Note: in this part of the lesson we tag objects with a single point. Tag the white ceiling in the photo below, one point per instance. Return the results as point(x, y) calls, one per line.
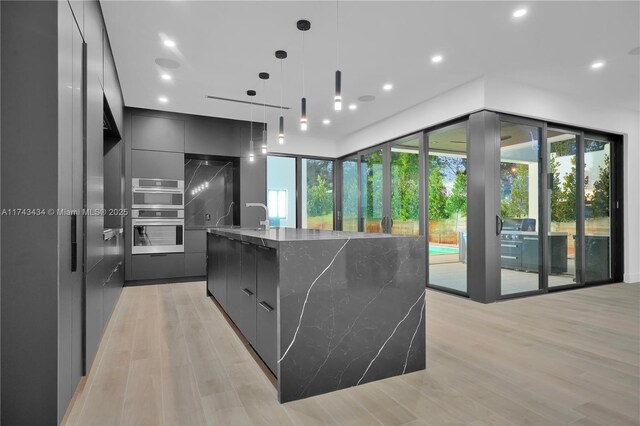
point(222, 46)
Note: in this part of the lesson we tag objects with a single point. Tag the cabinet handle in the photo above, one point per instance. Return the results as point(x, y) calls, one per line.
point(263, 247)
point(158, 254)
point(265, 306)
point(247, 292)
point(530, 239)
point(508, 245)
point(509, 257)
point(74, 243)
point(245, 243)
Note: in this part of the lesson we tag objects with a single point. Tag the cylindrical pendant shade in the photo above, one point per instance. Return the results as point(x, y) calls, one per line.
point(303, 118)
point(281, 131)
point(338, 96)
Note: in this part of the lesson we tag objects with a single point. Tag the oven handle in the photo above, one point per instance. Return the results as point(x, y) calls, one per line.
point(159, 190)
point(152, 222)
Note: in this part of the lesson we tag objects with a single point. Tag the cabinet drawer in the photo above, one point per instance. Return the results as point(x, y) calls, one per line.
point(195, 264)
point(157, 266)
point(195, 241)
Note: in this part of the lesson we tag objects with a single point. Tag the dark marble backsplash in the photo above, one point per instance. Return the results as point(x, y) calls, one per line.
point(209, 193)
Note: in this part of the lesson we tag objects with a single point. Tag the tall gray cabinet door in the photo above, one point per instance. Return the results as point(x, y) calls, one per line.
point(267, 297)
point(70, 184)
point(157, 134)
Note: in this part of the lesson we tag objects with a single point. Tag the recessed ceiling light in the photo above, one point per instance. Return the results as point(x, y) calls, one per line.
point(169, 43)
point(519, 13)
point(166, 77)
point(387, 87)
point(167, 63)
point(326, 121)
point(163, 99)
point(436, 59)
point(596, 65)
point(353, 106)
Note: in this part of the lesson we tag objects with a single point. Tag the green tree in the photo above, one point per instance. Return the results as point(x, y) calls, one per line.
point(600, 201)
point(516, 203)
point(556, 192)
point(457, 201)
point(319, 198)
point(437, 192)
point(405, 189)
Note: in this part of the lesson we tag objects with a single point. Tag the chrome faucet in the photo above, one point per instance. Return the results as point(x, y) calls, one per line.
point(264, 222)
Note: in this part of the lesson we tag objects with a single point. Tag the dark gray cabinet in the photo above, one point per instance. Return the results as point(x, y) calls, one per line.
point(157, 266)
point(157, 164)
point(195, 241)
point(267, 298)
point(217, 269)
point(233, 265)
point(157, 134)
point(195, 252)
point(195, 264)
point(211, 136)
point(248, 292)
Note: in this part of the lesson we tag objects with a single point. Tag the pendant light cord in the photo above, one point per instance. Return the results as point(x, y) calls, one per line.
point(281, 85)
point(337, 36)
point(264, 109)
point(303, 93)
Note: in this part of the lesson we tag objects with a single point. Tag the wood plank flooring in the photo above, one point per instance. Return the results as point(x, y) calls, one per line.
point(169, 357)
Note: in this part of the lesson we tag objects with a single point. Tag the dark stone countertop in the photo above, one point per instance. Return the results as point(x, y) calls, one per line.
point(274, 236)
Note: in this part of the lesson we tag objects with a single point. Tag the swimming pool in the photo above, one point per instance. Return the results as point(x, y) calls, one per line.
point(442, 249)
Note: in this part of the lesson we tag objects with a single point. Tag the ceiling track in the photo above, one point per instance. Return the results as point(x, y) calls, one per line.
point(240, 101)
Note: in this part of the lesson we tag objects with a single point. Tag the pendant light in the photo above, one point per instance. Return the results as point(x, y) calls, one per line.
point(304, 26)
point(337, 100)
point(251, 94)
point(281, 54)
point(264, 76)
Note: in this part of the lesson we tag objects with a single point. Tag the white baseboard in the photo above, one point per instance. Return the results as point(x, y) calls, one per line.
point(632, 277)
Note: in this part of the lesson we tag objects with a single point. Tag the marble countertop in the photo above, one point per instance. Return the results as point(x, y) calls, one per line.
point(273, 236)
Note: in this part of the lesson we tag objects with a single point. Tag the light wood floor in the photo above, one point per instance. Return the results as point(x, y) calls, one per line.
point(169, 357)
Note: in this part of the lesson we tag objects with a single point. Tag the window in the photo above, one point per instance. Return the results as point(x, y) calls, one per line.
point(281, 191)
point(317, 194)
point(277, 204)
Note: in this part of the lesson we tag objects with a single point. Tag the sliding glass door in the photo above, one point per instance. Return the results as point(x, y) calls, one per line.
point(317, 193)
point(372, 191)
point(405, 187)
point(518, 223)
point(447, 207)
point(563, 208)
point(348, 213)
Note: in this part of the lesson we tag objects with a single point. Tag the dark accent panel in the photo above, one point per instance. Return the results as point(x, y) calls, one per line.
point(214, 205)
point(112, 85)
point(195, 264)
point(211, 136)
point(156, 164)
point(195, 241)
point(157, 266)
point(159, 134)
point(253, 180)
point(113, 172)
point(266, 310)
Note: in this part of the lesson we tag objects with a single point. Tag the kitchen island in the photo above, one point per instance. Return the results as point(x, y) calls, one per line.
point(324, 310)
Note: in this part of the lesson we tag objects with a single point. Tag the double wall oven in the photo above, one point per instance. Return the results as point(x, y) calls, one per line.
point(157, 216)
